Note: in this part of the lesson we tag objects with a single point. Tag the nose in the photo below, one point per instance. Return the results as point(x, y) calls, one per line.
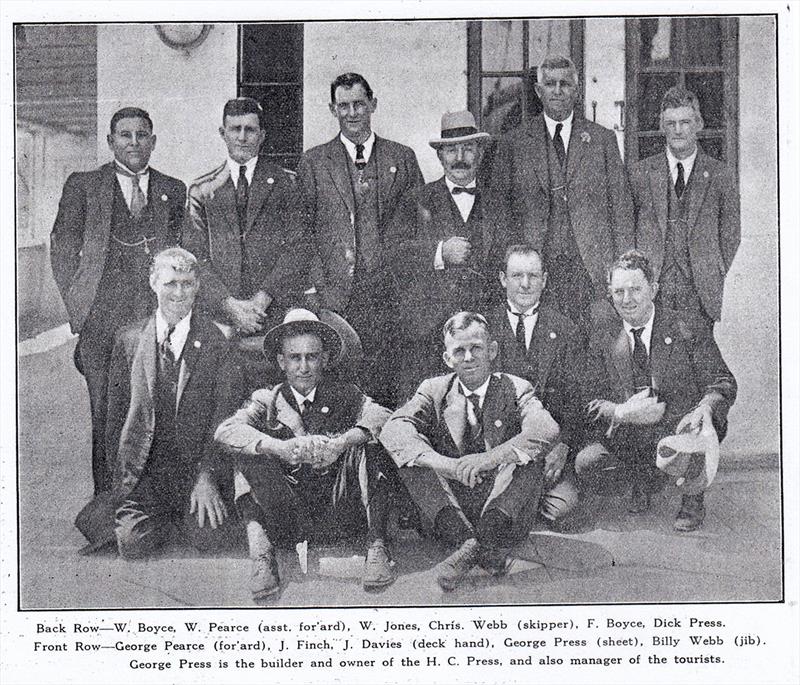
point(526, 281)
point(460, 153)
point(304, 365)
point(351, 109)
point(467, 356)
point(557, 88)
point(626, 296)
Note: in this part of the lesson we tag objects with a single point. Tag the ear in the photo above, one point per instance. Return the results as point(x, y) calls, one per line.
point(325, 359)
point(493, 349)
point(332, 108)
point(538, 88)
point(155, 140)
point(373, 104)
point(503, 281)
point(447, 361)
point(109, 140)
point(544, 280)
point(281, 361)
point(222, 132)
point(654, 287)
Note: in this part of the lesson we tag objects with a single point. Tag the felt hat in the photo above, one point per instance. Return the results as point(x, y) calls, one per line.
point(691, 458)
point(299, 321)
point(459, 127)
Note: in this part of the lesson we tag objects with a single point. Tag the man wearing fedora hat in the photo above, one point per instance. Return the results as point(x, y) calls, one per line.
point(308, 465)
point(447, 244)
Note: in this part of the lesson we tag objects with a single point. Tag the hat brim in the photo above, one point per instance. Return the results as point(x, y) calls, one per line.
point(331, 340)
point(480, 137)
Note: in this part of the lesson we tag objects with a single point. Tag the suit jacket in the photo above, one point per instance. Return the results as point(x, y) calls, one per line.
point(713, 218)
point(80, 235)
point(555, 364)
point(685, 365)
point(324, 179)
point(598, 195)
point(426, 296)
point(275, 236)
point(433, 421)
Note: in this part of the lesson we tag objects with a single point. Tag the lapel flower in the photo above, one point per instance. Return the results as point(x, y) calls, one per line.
point(197, 344)
point(324, 410)
point(498, 423)
point(393, 169)
point(668, 341)
point(552, 335)
point(705, 174)
point(270, 180)
point(164, 198)
point(585, 137)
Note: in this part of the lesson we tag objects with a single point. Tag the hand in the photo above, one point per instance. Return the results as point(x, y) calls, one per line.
point(554, 462)
point(695, 420)
point(206, 502)
point(640, 410)
point(244, 315)
point(292, 451)
point(455, 250)
point(326, 451)
point(601, 409)
point(262, 301)
point(468, 469)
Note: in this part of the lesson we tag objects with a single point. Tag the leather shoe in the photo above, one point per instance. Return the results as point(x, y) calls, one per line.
point(377, 567)
point(264, 579)
point(692, 513)
point(639, 501)
point(494, 561)
point(451, 571)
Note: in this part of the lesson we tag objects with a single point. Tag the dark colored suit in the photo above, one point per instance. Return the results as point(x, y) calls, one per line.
point(712, 219)
point(597, 210)
point(434, 421)
point(270, 254)
point(427, 297)
point(101, 265)
point(153, 478)
point(685, 365)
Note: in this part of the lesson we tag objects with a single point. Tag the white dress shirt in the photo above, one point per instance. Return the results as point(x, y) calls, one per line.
point(480, 391)
point(300, 398)
point(350, 146)
point(688, 165)
point(126, 182)
point(465, 202)
point(180, 333)
point(566, 128)
point(647, 333)
point(529, 321)
point(250, 167)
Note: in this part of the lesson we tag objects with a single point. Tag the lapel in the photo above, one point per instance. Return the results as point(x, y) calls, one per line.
point(699, 182)
point(619, 350)
point(455, 413)
point(159, 207)
point(338, 169)
point(383, 167)
point(661, 344)
point(225, 198)
point(538, 131)
point(660, 187)
point(544, 344)
point(260, 190)
point(576, 146)
point(105, 198)
point(496, 411)
point(286, 411)
point(146, 355)
point(192, 351)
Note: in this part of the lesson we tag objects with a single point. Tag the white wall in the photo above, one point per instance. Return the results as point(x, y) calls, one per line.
point(417, 71)
point(183, 94)
point(604, 64)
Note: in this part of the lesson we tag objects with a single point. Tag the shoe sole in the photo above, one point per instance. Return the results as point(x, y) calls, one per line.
point(377, 585)
point(265, 594)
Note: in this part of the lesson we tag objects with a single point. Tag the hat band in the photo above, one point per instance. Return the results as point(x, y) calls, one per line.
point(459, 132)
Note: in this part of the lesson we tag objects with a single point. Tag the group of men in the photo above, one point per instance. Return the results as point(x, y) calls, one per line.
point(571, 300)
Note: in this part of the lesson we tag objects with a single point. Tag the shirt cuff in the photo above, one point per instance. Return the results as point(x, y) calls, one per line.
point(438, 260)
point(522, 458)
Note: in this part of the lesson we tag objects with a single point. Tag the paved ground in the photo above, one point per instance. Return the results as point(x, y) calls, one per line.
point(608, 555)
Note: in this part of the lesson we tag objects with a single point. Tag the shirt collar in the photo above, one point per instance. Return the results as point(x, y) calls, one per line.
point(249, 165)
point(551, 123)
point(181, 329)
point(648, 325)
point(451, 185)
point(515, 310)
point(480, 391)
point(688, 163)
point(141, 174)
point(299, 398)
point(350, 146)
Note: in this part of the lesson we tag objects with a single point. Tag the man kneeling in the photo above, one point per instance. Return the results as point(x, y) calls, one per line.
point(471, 445)
point(308, 463)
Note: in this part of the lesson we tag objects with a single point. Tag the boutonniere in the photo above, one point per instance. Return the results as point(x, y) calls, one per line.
point(668, 341)
point(164, 198)
point(393, 169)
point(705, 174)
point(552, 335)
point(197, 344)
point(270, 180)
point(585, 137)
point(498, 423)
point(325, 410)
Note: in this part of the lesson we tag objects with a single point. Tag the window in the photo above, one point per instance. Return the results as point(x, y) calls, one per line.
point(699, 53)
point(503, 56)
point(271, 71)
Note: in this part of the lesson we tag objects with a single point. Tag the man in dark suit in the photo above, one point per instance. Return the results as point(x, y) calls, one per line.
point(446, 246)
point(471, 449)
point(308, 465)
point(246, 227)
point(109, 223)
point(351, 186)
point(541, 345)
point(664, 375)
point(172, 380)
point(563, 181)
point(687, 213)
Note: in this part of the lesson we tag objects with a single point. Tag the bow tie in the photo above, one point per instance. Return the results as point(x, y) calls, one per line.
point(461, 189)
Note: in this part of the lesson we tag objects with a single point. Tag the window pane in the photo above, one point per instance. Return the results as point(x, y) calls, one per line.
point(657, 42)
point(272, 52)
point(709, 91)
point(651, 89)
point(501, 45)
point(283, 113)
point(703, 42)
point(547, 37)
point(501, 108)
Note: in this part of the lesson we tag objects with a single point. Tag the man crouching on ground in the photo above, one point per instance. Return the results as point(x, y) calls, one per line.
point(308, 463)
point(471, 445)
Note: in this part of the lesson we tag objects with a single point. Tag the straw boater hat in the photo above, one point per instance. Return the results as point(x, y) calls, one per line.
point(297, 322)
point(459, 127)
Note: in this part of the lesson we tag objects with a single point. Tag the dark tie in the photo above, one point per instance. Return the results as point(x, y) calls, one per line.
point(138, 199)
point(461, 189)
point(242, 191)
point(360, 161)
point(680, 182)
point(640, 360)
point(558, 144)
point(476, 429)
point(305, 405)
point(166, 355)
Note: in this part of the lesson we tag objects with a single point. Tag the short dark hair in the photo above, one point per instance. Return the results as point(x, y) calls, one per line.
point(463, 320)
point(238, 107)
point(631, 261)
point(130, 113)
point(551, 62)
point(524, 249)
point(349, 80)
point(678, 96)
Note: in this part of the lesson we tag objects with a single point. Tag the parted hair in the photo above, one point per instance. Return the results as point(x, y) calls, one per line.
point(524, 249)
point(175, 257)
point(631, 261)
point(463, 320)
point(678, 96)
point(349, 80)
point(238, 107)
point(130, 113)
point(551, 62)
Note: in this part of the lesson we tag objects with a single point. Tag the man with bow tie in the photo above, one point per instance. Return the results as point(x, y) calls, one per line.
point(109, 224)
point(470, 446)
point(308, 464)
point(446, 246)
point(663, 374)
point(173, 378)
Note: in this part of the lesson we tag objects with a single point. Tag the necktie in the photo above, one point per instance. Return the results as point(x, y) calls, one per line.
point(461, 189)
point(305, 405)
point(680, 182)
point(558, 144)
point(166, 355)
point(477, 427)
point(242, 191)
point(519, 332)
point(138, 200)
point(640, 360)
point(360, 161)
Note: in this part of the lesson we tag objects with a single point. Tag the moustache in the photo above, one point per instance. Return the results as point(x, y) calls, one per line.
point(461, 165)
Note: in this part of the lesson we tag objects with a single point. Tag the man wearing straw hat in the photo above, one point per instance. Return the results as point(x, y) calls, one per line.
point(308, 463)
point(448, 244)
